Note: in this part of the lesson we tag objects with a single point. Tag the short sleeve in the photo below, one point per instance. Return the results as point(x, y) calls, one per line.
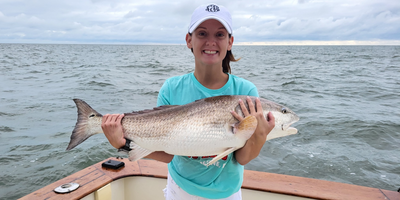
point(163, 95)
point(254, 92)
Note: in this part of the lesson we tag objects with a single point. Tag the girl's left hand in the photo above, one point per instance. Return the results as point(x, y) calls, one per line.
point(265, 124)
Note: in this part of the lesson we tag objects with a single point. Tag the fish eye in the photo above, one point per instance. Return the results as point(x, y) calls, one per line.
point(92, 115)
point(284, 110)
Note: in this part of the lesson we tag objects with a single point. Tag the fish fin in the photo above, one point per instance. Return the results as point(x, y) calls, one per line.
point(151, 110)
point(86, 124)
point(220, 156)
point(164, 107)
point(137, 152)
point(246, 127)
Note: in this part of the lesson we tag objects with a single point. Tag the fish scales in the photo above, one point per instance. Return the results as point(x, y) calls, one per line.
point(189, 126)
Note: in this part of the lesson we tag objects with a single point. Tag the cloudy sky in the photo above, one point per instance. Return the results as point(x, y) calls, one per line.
point(166, 21)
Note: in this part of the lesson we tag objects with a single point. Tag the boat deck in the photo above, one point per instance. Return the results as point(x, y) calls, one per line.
point(97, 182)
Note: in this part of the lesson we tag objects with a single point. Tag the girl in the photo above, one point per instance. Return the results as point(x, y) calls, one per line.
point(210, 39)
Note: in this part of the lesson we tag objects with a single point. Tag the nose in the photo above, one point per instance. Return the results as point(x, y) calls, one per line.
point(211, 41)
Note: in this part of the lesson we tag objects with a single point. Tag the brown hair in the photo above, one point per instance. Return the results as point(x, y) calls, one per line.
point(226, 67)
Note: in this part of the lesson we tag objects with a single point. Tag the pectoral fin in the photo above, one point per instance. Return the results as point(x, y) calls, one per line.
point(246, 127)
point(137, 152)
point(220, 156)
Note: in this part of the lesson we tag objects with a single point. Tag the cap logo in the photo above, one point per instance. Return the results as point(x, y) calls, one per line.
point(212, 8)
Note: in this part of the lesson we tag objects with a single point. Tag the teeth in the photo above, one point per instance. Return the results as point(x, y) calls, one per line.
point(210, 52)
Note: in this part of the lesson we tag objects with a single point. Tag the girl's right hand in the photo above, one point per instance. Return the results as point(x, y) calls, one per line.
point(112, 128)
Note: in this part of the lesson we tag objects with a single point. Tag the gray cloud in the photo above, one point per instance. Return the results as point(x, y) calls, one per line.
point(125, 21)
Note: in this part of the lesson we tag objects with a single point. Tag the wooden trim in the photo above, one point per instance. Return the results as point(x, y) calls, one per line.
point(94, 177)
point(90, 179)
point(312, 188)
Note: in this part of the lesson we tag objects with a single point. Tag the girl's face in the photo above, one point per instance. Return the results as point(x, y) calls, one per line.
point(210, 42)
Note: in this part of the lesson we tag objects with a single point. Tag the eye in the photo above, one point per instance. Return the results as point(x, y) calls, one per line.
point(92, 115)
point(220, 34)
point(201, 33)
point(284, 110)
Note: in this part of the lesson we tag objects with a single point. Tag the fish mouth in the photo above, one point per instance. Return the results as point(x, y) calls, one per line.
point(286, 127)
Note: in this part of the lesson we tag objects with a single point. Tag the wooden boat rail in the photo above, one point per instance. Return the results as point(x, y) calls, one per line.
point(95, 177)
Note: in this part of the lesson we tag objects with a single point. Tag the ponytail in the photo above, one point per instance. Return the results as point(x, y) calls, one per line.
point(226, 67)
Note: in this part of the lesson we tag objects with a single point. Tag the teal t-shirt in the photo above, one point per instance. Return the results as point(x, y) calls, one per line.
point(223, 178)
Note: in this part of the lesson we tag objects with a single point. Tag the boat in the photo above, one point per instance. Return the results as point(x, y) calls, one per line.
point(145, 179)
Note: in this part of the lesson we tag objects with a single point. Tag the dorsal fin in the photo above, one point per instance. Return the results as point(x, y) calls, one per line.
point(151, 110)
point(164, 107)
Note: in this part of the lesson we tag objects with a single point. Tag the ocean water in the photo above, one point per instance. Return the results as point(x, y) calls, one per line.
point(347, 97)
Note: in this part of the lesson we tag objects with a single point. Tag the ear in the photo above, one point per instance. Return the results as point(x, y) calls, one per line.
point(230, 43)
point(189, 41)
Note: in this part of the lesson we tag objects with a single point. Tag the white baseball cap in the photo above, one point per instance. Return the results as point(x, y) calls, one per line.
point(211, 11)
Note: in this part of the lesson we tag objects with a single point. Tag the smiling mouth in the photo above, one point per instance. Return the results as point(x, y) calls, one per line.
point(210, 52)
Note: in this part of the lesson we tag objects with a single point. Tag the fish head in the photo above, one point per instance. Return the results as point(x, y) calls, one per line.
point(284, 118)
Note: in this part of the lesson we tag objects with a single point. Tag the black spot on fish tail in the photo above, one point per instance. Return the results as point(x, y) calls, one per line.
point(82, 131)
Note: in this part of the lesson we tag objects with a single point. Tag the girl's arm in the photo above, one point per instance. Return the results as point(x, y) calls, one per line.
point(254, 144)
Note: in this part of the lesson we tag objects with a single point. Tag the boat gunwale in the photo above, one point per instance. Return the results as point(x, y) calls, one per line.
point(95, 176)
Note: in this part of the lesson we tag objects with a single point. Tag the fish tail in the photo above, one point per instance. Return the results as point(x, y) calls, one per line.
point(88, 124)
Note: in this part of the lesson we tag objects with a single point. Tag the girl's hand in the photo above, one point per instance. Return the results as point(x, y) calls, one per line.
point(112, 128)
point(254, 144)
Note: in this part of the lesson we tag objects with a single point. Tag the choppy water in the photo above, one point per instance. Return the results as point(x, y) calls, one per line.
point(347, 97)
